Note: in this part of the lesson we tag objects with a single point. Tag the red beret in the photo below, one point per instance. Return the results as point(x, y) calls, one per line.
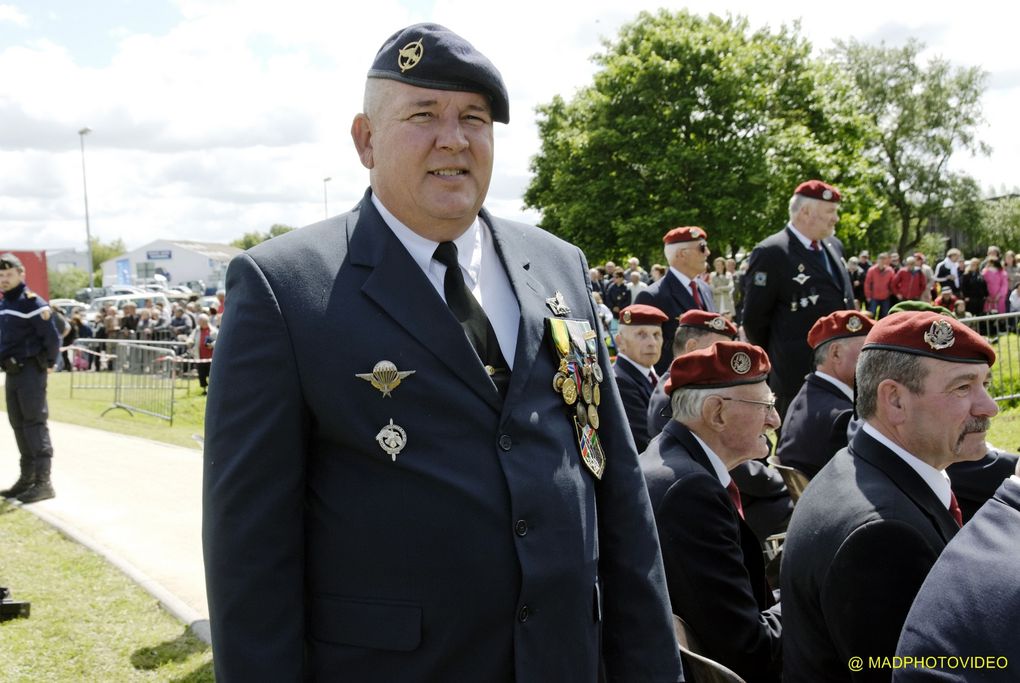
point(642, 314)
point(838, 325)
point(704, 320)
point(816, 189)
point(723, 364)
point(930, 334)
point(686, 234)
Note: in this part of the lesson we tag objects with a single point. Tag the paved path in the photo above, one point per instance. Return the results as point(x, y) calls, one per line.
point(135, 501)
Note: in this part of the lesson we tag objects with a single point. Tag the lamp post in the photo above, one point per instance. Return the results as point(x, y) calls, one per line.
point(325, 199)
point(88, 232)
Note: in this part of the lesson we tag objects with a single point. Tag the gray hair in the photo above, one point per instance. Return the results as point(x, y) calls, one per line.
point(876, 365)
point(685, 333)
point(670, 249)
point(822, 352)
point(798, 202)
point(687, 402)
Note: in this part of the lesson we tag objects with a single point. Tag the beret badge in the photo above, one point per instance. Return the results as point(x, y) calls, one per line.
point(827, 195)
point(940, 335)
point(409, 55)
point(626, 317)
point(717, 323)
point(741, 363)
point(854, 324)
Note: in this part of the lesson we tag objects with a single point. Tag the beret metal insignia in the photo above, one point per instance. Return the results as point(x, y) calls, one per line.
point(697, 234)
point(626, 317)
point(854, 324)
point(827, 194)
point(392, 438)
point(741, 363)
point(409, 55)
point(385, 377)
point(717, 323)
point(940, 335)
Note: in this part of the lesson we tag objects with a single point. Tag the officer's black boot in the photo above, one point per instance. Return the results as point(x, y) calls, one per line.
point(25, 480)
point(42, 489)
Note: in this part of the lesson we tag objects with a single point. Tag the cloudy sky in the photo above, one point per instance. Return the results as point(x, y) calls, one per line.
point(211, 118)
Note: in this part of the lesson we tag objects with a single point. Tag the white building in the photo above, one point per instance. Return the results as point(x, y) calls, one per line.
point(181, 262)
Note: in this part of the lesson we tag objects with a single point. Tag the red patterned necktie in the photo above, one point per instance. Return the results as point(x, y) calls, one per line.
point(731, 488)
point(954, 509)
point(697, 295)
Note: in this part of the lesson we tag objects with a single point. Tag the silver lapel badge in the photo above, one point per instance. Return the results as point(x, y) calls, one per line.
point(385, 377)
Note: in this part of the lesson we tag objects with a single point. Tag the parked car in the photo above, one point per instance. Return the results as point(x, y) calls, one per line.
point(118, 301)
point(67, 306)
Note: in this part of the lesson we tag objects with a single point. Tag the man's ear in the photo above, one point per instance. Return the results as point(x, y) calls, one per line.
point(361, 133)
point(712, 413)
point(891, 397)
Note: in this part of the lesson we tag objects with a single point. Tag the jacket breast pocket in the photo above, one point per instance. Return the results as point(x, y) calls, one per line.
point(365, 623)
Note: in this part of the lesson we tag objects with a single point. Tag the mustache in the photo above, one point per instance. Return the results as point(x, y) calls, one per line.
point(975, 424)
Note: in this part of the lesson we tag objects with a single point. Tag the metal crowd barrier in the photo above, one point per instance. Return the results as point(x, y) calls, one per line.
point(140, 375)
point(1003, 330)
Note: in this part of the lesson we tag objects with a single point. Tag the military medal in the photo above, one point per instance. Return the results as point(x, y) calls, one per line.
point(596, 370)
point(596, 395)
point(593, 416)
point(582, 414)
point(586, 391)
point(392, 438)
point(592, 454)
point(558, 379)
point(385, 377)
point(569, 393)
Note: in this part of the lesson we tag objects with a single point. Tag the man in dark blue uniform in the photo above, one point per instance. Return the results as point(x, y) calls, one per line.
point(686, 251)
point(714, 564)
point(638, 344)
point(875, 519)
point(29, 344)
point(816, 424)
point(454, 496)
point(795, 277)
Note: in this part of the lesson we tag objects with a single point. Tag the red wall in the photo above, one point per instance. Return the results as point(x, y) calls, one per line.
point(35, 270)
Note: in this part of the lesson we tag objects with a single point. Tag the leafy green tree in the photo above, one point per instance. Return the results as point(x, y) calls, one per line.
point(101, 252)
point(696, 121)
point(924, 114)
point(250, 239)
point(64, 283)
point(1000, 222)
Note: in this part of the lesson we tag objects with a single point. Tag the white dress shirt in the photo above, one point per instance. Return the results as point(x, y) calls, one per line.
point(937, 480)
point(720, 469)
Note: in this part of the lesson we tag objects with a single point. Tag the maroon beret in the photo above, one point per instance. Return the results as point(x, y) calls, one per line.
point(723, 364)
point(686, 234)
point(712, 322)
point(838, 325)
point(642, 314)
point(925, 333)
point(816, 189)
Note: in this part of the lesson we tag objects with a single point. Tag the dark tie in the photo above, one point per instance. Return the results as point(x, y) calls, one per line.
point(697, 295)
point(820, 253)
point(731, 488)
point(472, 318)
point(652, 378)
point(954, 509)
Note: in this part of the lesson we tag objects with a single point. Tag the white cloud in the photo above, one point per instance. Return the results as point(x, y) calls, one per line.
point(11, 14)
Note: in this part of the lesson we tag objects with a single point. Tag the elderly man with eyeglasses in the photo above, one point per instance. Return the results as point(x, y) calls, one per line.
point(715, 571)
point(686, 250)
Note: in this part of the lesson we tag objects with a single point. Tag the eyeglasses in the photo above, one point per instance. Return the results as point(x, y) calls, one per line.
point(702, 247)
point(768, 405)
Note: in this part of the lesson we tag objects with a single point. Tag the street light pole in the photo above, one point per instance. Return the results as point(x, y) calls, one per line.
point(88, 232)
point(325, 200)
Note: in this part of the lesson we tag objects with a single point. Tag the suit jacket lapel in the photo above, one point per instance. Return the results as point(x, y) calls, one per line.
point(680, 294)
point(907, 480)
point(531, 296)
point(406, 295)
point(635, 374)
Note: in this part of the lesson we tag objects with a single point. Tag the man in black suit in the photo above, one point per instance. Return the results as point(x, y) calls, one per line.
point(874, 520)
point(422, 506)
point(686, 250)
point(714, 566)
point(969, 604)
point(767, 504)
point(795, 277)
point(617, 296)
point(816, 423)
point(638, 344)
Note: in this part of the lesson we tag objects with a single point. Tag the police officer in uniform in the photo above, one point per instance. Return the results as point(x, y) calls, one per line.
point(795, 277)
point(29, 344)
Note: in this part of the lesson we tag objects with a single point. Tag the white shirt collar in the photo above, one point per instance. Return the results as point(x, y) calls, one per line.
point(469, 248)
point(937, 480)
point(836, 383)
point(644, 371)
point(717, 464)
point(684, 280)
point(800, 236)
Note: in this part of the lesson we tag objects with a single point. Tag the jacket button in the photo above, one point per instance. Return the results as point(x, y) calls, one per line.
point(521, 528)
point(505, 442)
point(523, 615)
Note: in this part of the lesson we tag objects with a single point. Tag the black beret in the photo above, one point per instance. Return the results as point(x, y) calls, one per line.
point(433, 56)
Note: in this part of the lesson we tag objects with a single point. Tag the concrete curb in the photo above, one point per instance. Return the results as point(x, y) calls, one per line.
point(170, 602)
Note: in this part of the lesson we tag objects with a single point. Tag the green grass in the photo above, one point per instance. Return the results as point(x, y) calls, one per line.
point(86, 409)
point(1005, 431)
point(89, 621)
